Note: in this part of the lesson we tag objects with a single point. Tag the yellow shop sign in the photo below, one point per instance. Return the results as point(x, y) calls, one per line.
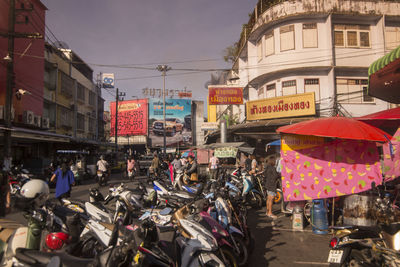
point(280, 107)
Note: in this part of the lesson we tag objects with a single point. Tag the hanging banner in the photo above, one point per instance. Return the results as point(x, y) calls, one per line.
point(178, 122)
point(280, 107)
point(107, 80)
point(296, 142)
point(337, 168)
point(226, 152)
point(132, 117)
point(225, 95)
point(391, 157)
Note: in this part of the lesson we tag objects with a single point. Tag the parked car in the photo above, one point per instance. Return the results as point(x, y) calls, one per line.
point(174, 125)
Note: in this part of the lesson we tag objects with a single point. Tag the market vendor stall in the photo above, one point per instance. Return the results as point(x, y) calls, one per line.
point(329, 157)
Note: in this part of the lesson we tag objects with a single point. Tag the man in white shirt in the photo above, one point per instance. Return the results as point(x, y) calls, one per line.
point(213, 166)
point(102, 164)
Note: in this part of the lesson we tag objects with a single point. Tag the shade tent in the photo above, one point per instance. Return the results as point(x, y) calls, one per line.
point(384, 78)
point(337, 127)
point(275, 143)
point(389, 114)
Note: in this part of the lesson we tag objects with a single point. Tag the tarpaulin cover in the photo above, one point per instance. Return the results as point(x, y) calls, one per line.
point(391, 157)
point(337, 168)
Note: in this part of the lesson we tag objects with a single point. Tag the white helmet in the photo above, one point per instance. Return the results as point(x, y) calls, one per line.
point(37, 189)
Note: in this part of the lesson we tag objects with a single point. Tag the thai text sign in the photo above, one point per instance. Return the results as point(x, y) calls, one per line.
point(108, 80)
point(295, 142)
point(280, 107)
point(132, 117)
point(226, 152)
point(225, 95)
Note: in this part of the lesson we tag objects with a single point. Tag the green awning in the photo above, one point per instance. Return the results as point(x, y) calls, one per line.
point(383, 61)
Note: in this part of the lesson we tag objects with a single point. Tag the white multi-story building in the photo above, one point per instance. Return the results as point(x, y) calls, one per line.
point(320, 46)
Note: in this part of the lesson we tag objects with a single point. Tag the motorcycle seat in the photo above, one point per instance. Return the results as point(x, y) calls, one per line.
point(108, 225)
point(39, 258)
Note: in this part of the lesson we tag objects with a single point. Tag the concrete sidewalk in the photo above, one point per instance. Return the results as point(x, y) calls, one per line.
point(277, 244)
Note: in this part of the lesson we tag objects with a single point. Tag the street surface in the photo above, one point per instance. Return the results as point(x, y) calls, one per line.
point(276, 245)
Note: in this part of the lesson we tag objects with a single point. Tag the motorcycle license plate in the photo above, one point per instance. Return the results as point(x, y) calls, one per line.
point(335, 256)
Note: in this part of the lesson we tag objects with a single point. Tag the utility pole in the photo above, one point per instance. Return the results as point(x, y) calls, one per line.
point(10, 79)
point(117, 95)
point(164, 69)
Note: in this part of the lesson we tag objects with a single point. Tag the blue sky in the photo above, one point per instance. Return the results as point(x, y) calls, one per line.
point(147, 33)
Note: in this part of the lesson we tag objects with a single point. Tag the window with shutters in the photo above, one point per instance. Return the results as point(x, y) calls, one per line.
point(260, 92)
point(92, 98)
point(92, 125)
point(287, 37)
point(310, 35)
point(269, 44)
point(289, 87)
point(65, 116)
point(67, 85)
point(352, 36)
point(80, 122)
point(312, 85)
point(259, 50)
point(353, 91)
point(392, 37)
point(271, 90)
point(80, 92)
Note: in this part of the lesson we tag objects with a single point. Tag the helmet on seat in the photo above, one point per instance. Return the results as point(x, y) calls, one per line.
point(36, 189)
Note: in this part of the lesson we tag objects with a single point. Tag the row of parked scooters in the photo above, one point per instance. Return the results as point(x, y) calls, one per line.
point(202, 224)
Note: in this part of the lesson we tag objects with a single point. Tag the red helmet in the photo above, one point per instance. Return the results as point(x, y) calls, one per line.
point(55, 241)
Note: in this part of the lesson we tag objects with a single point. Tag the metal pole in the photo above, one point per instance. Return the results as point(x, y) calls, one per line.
point(10, 79)
point(165, 125)
point(116, 120)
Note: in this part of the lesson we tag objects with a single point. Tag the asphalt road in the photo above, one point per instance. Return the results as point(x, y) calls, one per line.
point(276, 245)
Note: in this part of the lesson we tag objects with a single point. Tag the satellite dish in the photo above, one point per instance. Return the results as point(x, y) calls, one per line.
point(61, 44)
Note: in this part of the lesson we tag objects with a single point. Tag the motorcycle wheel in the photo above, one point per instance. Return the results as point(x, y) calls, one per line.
point(228, 257)
point(256, 200)
point(242, 255)
point(356, 259)
point(278, 197)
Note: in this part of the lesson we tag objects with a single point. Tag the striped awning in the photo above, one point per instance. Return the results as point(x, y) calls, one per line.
point(383, 61)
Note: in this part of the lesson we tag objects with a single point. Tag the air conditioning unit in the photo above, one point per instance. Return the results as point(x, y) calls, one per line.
point(45, 123)
point(37, 121)
point(1, 112)
point(28, 117)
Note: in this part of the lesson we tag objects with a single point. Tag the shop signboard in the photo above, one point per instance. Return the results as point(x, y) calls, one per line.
point(209, 126)
point(178, 122)
point(226, 152)
point(107, 80)
point(318, 169)
point(132, 117)
point(225, 95)
point(281, 107)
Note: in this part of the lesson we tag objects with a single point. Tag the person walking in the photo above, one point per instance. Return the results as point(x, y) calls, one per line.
point(155, 164)
point(271, 177)
point(254, 164)
point(65, 178)
point(213, 166)
point(130, 167)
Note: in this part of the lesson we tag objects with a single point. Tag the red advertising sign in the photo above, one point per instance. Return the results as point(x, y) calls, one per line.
point(225, 95)
point(132, 117)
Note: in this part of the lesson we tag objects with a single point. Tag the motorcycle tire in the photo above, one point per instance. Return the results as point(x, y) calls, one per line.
point(228, 257)
point(256, 200)
point(278, 197)
point(243, 254)
point(356, 259)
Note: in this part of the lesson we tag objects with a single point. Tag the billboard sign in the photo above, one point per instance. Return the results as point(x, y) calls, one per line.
point(225, 95)
point(132, 117)
point(178, 122)
point(281, 107)
point(107, 80)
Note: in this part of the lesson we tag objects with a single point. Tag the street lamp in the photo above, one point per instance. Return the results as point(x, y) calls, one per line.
point(164, 69)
